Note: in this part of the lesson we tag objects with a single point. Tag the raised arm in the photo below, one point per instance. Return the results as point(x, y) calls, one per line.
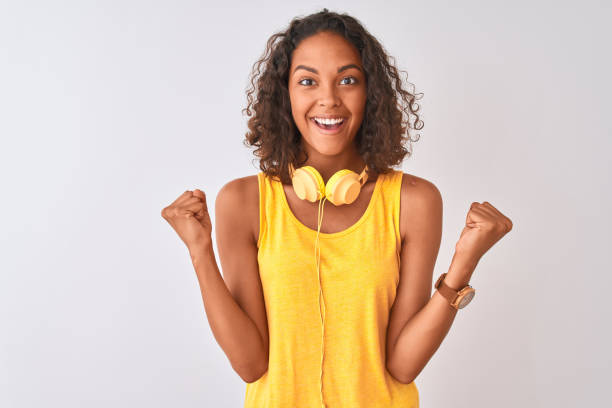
point(234, 303)
point(419, 322)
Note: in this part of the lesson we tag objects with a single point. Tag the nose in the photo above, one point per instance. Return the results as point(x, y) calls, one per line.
point(328, 96)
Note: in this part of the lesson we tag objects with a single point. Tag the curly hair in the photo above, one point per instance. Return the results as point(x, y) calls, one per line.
point(380, 139)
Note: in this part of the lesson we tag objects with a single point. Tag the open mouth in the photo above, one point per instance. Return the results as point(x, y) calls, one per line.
point(329, 124)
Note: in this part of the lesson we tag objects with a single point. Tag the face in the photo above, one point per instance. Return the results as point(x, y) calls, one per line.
point(327, 82)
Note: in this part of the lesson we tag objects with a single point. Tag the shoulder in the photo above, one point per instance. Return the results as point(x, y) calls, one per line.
point(239, 188)
point(420, 201)
point(414, 187)
point(240, 197)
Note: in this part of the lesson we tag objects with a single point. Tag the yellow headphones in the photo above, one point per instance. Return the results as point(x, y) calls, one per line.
point(342, 188)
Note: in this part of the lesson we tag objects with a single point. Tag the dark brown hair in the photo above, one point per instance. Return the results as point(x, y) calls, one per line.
point(380, 139)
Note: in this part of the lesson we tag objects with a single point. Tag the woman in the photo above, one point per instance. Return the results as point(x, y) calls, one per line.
point(337, 310)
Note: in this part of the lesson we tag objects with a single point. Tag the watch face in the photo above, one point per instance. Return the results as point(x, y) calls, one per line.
point(466, 299)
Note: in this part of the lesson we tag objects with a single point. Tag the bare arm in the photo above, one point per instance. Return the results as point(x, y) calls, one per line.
point(418, 335)
point(234, 303)
point(423, 334)
point(418, 322)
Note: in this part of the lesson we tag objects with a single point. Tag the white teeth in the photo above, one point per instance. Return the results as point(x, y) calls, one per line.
point(328, 121)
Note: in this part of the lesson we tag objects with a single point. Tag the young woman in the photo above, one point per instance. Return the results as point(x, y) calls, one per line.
point(329, 305)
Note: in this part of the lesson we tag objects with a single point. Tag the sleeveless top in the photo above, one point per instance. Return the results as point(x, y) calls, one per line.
point(340, 362)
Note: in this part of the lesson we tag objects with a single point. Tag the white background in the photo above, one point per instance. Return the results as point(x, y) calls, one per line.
point(110, 110)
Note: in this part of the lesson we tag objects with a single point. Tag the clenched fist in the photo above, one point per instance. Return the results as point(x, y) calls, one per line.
point(484, 226)
point(189, 217)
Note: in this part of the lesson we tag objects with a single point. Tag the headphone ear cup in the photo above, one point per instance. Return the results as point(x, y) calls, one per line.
point(343, 187)
point(308, 184)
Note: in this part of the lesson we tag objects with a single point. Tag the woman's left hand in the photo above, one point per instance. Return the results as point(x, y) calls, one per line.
point(484, 226)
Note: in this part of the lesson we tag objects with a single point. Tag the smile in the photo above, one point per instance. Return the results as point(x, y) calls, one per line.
point(329, 126)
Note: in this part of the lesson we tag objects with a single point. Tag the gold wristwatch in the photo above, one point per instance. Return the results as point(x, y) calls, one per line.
point(457, 298)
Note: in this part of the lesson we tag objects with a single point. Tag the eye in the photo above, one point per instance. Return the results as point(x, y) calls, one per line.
point(302, 80)
point(350, 77)
point(353, 79)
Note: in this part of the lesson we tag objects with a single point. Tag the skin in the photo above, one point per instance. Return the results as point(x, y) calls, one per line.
point(237, 203)
point(328, 92)
point(234, 304)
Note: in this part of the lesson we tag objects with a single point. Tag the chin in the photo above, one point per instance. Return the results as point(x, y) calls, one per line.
point(330, 149)
point(328, 145)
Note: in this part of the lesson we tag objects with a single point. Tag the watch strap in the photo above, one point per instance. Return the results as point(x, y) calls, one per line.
point(449, 293)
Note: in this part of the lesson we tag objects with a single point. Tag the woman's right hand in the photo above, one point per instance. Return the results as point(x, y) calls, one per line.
point(189, 217)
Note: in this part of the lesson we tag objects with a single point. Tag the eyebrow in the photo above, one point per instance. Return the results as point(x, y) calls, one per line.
point(342, 68)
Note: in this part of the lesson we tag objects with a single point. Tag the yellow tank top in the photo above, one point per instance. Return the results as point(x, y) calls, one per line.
point(338, 362)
